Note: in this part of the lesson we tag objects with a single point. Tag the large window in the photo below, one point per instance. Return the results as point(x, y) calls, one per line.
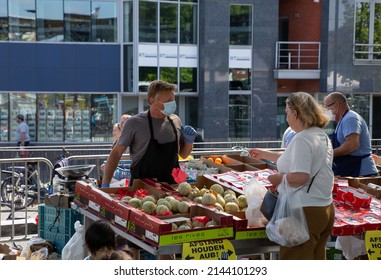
point(58, 20)
point(59, 117)
point(241, 25)
point(166, 22)
point(368, 30)
point(128, 20)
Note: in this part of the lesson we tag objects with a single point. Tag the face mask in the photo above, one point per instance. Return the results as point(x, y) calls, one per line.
point(169, 108)
point(330, 115)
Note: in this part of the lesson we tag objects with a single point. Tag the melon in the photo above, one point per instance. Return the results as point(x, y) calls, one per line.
point(231, 207)
point(217, 188)
point(163, 201)
point(219, 206)
point(211, 223)
point(174, 205)
point(184, 227)
point(148, 207)
point(242, 203)
point(174, 226)
point(230, 198)
point(183, 206)
point(161, 209)
point(198, 199)
point(209, 199)
point(220, 200)
point(126, 199)
point(184, 188)
point(135, 202)
point(229, 192)
point(149, 198)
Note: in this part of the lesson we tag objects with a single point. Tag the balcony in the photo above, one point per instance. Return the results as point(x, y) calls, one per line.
point(367, 54)
point(297, 60)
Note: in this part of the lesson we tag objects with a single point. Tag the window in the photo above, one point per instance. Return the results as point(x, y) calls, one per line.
point(239, 117)
point(146, 76)
point(128, 22)
point(188, 24)
point(239, 79)
point(50, 20)
point(77, 21)
point(168, 23)
point(147, 22)
point(240, 25)
point(368, 30)
point(188, 79)
point(103, 21)
point(22, 20)
point(3, 20)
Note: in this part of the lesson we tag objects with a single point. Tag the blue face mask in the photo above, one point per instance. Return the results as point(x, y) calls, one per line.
point(169, 108)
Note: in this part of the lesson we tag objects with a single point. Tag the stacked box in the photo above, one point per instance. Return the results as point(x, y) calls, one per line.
point(56, 225)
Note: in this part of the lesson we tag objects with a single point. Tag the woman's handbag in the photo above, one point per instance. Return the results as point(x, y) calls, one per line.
point(288, 226)
point(268, 204)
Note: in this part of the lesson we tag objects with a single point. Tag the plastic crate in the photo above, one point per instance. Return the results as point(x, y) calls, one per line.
point(123, 170)
point(57, 224)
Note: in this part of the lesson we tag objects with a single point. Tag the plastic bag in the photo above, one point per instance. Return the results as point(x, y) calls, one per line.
point(288, 226)
point(35, 244)
point(254, 193)
point(74, 248)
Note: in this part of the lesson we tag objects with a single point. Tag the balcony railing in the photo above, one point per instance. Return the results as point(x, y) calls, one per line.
point(367, 53)
point(297, 55)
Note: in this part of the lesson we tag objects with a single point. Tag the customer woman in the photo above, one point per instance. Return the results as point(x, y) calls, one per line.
point(307, 158)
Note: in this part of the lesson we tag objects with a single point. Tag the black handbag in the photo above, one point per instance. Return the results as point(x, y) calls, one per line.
point(268, 204)
point(271, 198)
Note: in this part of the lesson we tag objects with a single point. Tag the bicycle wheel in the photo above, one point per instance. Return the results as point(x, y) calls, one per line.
point(20, 200)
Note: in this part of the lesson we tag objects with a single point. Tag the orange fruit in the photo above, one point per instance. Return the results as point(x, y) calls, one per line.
point(211, 159)
point(218, 160)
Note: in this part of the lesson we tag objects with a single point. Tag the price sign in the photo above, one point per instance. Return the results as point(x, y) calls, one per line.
point(373, 244)
point(209, 250)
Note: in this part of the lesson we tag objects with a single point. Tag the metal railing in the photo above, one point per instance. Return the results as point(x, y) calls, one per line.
point(7, 166)
point(367, 52)
point(297, 55)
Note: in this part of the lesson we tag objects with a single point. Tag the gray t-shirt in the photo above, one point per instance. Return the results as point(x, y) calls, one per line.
point(22, 127)
point(136, 133)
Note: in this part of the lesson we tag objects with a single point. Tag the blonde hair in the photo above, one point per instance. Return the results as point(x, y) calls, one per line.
point(310, 112)
point(157, 86)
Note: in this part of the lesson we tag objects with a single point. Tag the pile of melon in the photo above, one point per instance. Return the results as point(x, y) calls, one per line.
point(216, 195)
point(194, 223)
point(162, 206)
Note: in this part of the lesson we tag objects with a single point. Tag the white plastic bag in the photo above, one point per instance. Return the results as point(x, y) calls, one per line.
point(74, 248)
point(288, 226)
point(254, 193)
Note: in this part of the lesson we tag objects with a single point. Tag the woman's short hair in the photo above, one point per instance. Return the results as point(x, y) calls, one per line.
point(310, 112)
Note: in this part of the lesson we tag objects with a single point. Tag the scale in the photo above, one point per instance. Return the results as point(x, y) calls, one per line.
point(72, 174)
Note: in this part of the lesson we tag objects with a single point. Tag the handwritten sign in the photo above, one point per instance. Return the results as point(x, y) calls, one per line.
point(373, 244)
point(209, 250)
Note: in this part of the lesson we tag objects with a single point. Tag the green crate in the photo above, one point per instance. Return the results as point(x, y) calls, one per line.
point(56, 225)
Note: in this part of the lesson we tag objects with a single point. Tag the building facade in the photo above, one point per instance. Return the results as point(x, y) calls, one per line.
point(73, 67)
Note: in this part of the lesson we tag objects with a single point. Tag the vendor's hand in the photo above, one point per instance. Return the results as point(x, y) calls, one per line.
point(256, 153)
point(189, 134)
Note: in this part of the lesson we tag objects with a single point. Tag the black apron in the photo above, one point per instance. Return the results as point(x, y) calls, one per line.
point(158, 160)
point(347, 165)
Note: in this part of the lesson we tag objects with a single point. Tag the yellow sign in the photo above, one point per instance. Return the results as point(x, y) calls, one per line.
point(373, 244)
point(209, 250)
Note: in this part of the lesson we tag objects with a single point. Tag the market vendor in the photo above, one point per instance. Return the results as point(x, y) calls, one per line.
point(156, 138)
point(351, 139)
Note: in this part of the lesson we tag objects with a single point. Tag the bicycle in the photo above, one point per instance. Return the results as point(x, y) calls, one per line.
point(20, 188)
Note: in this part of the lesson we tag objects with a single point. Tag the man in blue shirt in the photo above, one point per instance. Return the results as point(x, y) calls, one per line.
point(351, 139)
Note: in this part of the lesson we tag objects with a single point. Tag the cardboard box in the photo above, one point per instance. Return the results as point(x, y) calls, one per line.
point(362, 182)
point(158, 232)
point(6, 253)
point(221, 167)
point(243, 167)
point(102, 202)
point(242, 231)
point(59, 200)
point(245, 159)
